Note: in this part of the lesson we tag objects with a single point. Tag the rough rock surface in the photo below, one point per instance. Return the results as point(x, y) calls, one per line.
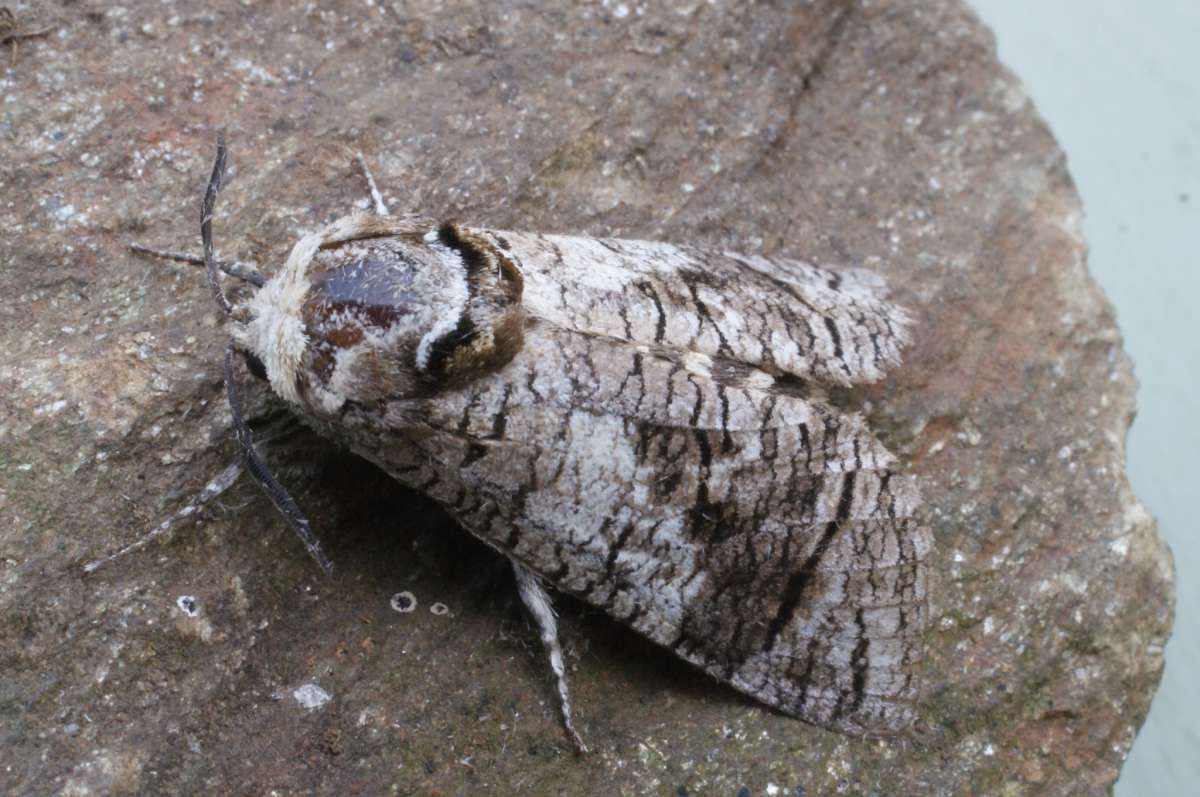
point(878, 133)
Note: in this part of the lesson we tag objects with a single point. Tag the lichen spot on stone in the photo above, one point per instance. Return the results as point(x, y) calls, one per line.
point(188, 605)
point(404, 602)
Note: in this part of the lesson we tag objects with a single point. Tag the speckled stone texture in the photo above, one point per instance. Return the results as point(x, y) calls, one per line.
point(882, 134)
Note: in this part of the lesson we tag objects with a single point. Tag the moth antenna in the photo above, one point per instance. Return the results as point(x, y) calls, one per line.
point(376, 197)
point(262, 474)
point(215, 487)
point(537, 600)
point(206, 214)
point(234, 268)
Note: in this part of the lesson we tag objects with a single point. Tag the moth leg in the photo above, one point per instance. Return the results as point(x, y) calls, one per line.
point(376, 197)
point(283, 502)
point(218, 485)
point(235, 268)
point(537, 601)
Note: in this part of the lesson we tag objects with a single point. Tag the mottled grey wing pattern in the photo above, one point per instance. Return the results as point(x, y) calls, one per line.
point(658, 448)
point(773, 313)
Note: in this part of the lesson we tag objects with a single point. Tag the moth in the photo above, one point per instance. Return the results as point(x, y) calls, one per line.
point(643, 425)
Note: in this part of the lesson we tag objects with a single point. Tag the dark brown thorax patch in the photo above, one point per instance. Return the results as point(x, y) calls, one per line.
point(354, 290)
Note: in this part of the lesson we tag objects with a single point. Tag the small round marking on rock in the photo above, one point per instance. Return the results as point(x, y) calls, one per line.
point(404, 602)
point(188, 605)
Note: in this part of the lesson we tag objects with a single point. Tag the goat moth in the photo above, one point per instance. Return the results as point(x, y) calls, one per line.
point(639, 424)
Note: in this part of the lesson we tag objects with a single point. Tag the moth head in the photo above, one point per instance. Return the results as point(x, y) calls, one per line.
point(374, 308)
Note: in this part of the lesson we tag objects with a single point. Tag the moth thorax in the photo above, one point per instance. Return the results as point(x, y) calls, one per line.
point(400, 315)
point(490, 330)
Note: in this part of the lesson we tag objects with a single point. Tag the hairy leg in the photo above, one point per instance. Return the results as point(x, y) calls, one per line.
point(243, 271)
point(218, 485)
point(538, 602)
point(376, 197)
